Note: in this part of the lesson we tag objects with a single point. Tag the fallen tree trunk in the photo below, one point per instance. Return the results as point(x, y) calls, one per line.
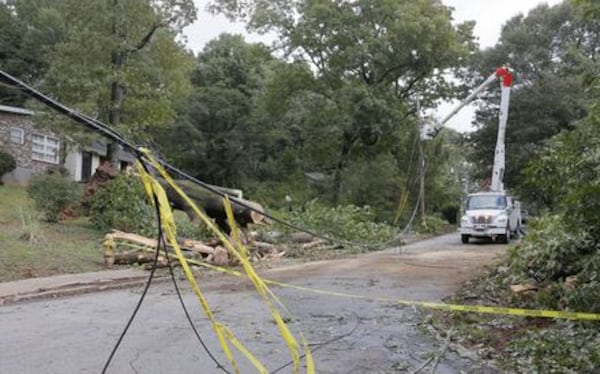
point(185, 244)
point(130, 258)
point(196, 246)
point(141, 250)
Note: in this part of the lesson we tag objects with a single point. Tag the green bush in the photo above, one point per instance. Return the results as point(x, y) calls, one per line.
point(7, 164)
point(586, 293)
point(432, 225)
point(190, 230)
point(564, 347)
point(122, 204)
point(52, 194)
point(550, 251)
point(347, 222)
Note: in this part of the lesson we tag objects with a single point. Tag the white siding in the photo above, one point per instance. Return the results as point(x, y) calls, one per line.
point(95, 163)
point(73, 165)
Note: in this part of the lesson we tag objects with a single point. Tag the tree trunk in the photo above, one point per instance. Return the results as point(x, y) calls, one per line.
point(347, 143)
point(420, 130)
point(422, 183)
point(117, 88)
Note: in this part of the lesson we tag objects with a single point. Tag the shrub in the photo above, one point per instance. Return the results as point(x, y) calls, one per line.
point(432, 225)
point(564, 347)
point(122, 204)
point(191, 230)
point(52, 194)
point(346, 222)
point(7, 164)
point(586, 293)
point(550, 251)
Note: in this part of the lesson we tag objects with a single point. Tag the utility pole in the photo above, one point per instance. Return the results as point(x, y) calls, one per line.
point(421, 129)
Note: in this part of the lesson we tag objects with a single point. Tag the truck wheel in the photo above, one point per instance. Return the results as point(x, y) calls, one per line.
point(506, 237)
point(465, 239)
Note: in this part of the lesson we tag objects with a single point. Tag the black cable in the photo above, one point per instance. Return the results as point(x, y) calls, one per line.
point(114, 135)
point(73, 114)
point(239, 202)
point(187, 314)
point(154, 265)
point(140, 301)
point(319, 346)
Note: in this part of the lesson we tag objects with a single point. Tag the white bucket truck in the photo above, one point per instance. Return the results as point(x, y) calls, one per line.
point(492, 213)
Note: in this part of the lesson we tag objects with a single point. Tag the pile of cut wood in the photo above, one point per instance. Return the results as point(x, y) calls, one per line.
point(121, 248)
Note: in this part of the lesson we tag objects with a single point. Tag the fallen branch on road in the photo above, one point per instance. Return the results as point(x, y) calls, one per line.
point(140, 249)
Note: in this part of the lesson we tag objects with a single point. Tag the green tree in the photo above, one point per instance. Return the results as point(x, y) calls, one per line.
point(29, 29)
point(544, 49)
point(222, 139)
point(121, 62)
point(368, 58)
point(563, 175)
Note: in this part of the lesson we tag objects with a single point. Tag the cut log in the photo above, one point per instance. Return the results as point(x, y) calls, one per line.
point(213, 205)
point(523, 288)
point(141, 250)
point(301, 237)
point(262, 246)
point(133, 257)
point(221, 257)
point(186, 244)
point(571, 282)
point(196, 246)
point(313, 244)
point(139, 257)
point(273, 256)
point(138, 239)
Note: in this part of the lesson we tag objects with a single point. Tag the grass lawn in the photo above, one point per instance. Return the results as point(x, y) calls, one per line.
point(31, 248)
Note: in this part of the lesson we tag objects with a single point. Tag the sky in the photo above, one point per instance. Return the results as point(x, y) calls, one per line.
point(489, 17)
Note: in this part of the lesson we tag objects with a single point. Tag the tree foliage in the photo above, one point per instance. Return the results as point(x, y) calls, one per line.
point(120, 61)
point(368, 60)
point(29, 29)
point(547, 50)
point(328, 112)
point(7, 164)
point(122, 204)
point(53, 193)
point(216, 136)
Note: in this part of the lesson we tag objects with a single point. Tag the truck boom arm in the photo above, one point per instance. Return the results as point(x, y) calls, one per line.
point(499, 157)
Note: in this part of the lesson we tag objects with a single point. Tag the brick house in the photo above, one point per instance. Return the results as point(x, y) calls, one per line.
point(36, 150)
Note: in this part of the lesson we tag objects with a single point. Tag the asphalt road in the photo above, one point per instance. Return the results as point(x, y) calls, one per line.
point(76, 334)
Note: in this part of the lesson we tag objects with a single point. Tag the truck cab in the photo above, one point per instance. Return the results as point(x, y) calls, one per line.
point(494, 215)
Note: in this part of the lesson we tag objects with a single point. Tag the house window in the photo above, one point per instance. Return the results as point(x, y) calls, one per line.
point(45, 148)
point(17, 135)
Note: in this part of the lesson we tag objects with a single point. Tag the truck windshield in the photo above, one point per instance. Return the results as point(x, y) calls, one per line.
point(486, 202)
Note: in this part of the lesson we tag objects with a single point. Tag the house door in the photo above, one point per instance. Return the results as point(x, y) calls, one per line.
point(86, 166)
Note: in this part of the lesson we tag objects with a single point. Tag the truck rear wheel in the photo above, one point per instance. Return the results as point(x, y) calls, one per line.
point(464, 238)
point(506, 237)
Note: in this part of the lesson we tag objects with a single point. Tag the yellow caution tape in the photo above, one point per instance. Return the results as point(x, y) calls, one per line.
point(265, 292)
point(152, 186)
point(401, 205)
point(426, 304)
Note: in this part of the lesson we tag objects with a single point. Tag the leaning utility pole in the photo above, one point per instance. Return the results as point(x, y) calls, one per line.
point(421, 130)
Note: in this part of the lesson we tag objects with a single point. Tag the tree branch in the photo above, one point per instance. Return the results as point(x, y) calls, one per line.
point(405, 92)
point(388, 71)
point(146, 39)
